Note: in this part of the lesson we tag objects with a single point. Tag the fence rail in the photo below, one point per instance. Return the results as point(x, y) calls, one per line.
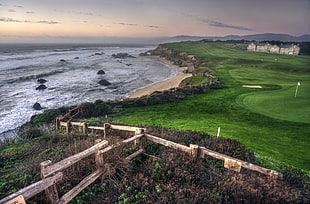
point(197, 152)
point(35, 188)
point(51, 173)
point(73, 159)
point(105, 126)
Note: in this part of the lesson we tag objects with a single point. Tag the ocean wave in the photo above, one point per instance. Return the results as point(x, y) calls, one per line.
point(35, 76)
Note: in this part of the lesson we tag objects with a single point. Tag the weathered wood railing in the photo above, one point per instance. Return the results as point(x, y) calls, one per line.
point(229, 162)
point(200, 152)
point(51, 174)
point(35, 188)
point(104, 128)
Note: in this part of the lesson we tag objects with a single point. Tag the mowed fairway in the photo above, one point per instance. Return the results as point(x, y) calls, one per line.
point(270, 121)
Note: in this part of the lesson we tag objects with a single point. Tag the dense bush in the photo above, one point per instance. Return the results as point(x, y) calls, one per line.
point(47, 116)
point(101, 109)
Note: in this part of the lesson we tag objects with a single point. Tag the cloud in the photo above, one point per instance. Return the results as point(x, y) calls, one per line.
point(85, 13)
point(134, 24)
point(2, 19)
point(11, 10)
point(222, 25)
point(151, 26)
point(9, 20)
point(29, 12)
point(218, 24)
point(47, 22)
point(127, 24)
point(15, 6)
point(76, 12)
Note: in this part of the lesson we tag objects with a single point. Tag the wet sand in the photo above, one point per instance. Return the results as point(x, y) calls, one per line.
point(167, 84)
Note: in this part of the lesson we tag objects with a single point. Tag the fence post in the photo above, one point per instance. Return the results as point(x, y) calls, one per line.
point(51, 192)
point(138, 142)
point(194, 151)
point(68, 127)
point(106, 126)
point(57, 123)
point(85, 128)
point(99, 158)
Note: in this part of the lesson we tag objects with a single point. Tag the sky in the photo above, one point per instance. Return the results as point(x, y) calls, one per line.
point(86, 20)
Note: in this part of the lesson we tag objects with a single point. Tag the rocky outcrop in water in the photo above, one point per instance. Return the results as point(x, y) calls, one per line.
point(41, 87)
point(104, 82)
point(100, 72)
point(122, 55)
point(41, 81)
point(37, 106)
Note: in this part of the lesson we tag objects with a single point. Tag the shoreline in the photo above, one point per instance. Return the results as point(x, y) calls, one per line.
point(172, 82)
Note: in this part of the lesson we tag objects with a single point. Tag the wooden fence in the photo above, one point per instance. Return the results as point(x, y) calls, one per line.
point(201, 152)
point(51, 173)
point(105, 127)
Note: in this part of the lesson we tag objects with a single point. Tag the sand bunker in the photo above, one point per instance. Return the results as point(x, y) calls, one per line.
point(251, 86)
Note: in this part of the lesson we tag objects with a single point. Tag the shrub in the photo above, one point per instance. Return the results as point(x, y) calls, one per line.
point(47, 116)
point(94, 122)
point(151, 148)
point(101, 109)
point(296, 177)
point(28, 131)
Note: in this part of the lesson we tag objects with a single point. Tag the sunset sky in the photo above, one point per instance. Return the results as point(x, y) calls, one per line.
point(31, 20)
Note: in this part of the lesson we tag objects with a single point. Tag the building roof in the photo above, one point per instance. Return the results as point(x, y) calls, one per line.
point(286, 46)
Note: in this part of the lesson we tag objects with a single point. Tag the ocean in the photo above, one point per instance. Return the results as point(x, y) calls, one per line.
point(71, 77)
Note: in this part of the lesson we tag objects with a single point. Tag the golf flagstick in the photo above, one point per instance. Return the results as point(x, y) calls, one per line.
point(298, 84)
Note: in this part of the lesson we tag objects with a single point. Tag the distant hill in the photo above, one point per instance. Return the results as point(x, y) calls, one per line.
point(256, 37)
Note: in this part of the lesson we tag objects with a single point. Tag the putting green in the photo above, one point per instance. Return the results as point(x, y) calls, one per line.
point(280, 104)
point(277, 97)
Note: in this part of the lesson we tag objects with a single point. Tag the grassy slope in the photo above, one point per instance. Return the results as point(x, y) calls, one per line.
point(270, 121)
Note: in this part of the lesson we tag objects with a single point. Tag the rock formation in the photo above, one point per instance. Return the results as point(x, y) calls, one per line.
point(41, 81)
point(181, 59)
point(41, 87)
point(104, 82)
point(100, 72)
point(37, 106)
point(122, 55)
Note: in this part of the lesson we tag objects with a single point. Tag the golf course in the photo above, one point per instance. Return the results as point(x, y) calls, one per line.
point(263, 101)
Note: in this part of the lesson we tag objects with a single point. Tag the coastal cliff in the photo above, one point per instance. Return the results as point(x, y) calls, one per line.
point(181, 59)
point(192, 64)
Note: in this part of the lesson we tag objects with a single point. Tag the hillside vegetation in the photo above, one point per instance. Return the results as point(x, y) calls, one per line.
point(270, 121)
point(162, 175)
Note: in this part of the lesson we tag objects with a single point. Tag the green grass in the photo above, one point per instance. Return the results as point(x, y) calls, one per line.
point(280, 103)
point(270, 120)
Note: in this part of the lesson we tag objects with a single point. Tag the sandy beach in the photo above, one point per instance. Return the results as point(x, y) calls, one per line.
point(162, 85)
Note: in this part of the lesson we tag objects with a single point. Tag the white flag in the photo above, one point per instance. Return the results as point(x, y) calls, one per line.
point(298, 84)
